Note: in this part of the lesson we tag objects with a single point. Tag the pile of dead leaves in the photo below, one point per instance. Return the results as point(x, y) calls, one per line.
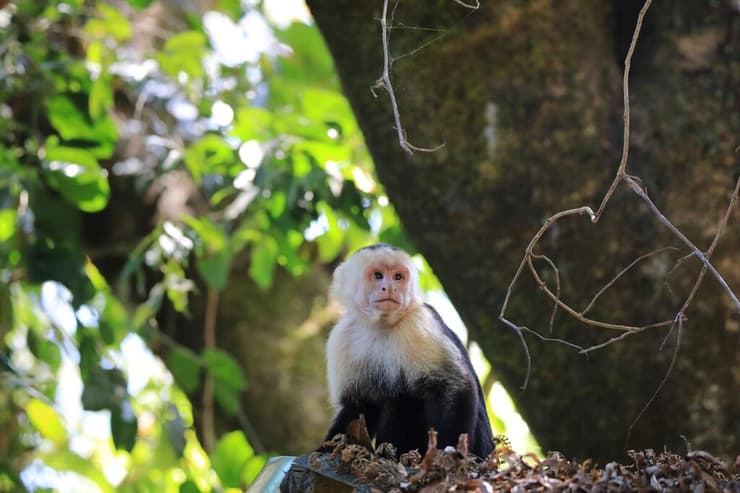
point(455, 470)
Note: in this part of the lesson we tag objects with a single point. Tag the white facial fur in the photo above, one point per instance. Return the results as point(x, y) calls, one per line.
point(379, 284)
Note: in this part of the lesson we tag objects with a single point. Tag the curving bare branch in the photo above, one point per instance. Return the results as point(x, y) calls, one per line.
point(621, 177)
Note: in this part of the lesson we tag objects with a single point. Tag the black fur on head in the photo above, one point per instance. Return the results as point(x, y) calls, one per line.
point(378, 246)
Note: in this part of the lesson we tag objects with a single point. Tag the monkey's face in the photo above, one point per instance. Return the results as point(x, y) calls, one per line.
point(384, 289)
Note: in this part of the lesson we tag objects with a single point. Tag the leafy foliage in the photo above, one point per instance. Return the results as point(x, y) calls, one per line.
point(282, 178)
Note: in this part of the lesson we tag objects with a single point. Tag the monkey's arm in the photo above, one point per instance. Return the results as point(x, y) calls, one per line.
point(451, 412)
point(351, 410)
point(346, 414)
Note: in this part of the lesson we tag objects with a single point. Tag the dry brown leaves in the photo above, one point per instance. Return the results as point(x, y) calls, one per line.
point(455, 470)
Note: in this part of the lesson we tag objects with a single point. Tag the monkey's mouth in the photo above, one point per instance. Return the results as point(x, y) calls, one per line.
point(387, 304)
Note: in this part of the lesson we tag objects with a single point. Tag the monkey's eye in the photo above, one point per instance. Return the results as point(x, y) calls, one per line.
point(378, 275)
point(398, 276)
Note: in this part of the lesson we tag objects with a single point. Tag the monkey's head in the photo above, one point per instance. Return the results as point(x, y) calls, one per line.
point(379, 282)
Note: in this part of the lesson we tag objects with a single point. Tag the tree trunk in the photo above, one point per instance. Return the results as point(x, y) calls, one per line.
point(526, 97)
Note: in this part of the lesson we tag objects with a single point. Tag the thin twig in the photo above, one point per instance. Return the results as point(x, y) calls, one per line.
point(621, 273)
point(632, 182)
point(555, 339)
point(627, 334)
point(557, 288)
point(385, 83)
point(680, 316)
point(679, 263)
point(674, 357)
point(419, 48)
point(518, 331)
point(471, 6)
point(702, 257)
point(621, 171)
point(579, 316)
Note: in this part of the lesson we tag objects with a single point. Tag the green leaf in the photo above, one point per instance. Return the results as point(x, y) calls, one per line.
point(302, 164)
point(229, 458)
point(109, 22)
point(55, 255)
point(211, 155)
point(101, 97)
point(114, 321)
point(324, 151)
point(140, 4)
point(104, 389)
point(311, 62)
point(292, 123)
point(7, 224)
point(263, 260)
point(252, 123)
point(73, 125)
point(276, 204)
point(232, 8)
point(45, 419)
point(76, 174)
point(183, 52)
point(123, 425)
point(89, 357)
point(328, 106)
point(289, 252)
point(48, 352)
point(254, 466)
point(228, 379)
point(189, 486)
point(64, 460)
point(175, 428)
point(178, 286)
point(213, 254)
point(185, 368)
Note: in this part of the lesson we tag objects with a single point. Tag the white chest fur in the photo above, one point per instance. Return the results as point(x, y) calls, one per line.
point(416, 346)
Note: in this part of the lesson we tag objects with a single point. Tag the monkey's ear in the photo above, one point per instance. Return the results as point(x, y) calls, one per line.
point(342, 288)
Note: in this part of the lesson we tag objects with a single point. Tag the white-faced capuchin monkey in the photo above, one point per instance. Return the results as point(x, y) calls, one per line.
point(393, 359)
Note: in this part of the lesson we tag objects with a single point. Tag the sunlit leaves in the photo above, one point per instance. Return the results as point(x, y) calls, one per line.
point(252, 123)
point(73, 124)
point(140, 4)
point(44, 349)
point(228, 379)
point(7, 224)
point(185, 368)
point(46, 420)
point(177, 286)
point(211, 155)
point(66, 460)
point(101, 98)
point(213, 252)
point(76, 174)
point(109, 22)
point(234, 460)
point(263, 260)
point(183, 52)
point(311, 62)
point(288, 159)
point(331, 107)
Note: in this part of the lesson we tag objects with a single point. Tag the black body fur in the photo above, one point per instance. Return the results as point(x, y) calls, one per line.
point(401, 414)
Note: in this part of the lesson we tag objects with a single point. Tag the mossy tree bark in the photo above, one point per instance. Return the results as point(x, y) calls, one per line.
point(526, 97)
